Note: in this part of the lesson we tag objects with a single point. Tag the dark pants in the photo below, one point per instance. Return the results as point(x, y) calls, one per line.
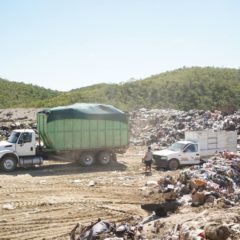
point(148, 163)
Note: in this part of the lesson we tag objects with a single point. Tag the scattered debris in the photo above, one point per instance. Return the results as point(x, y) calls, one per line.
point(92, 183)
point(103, 230)
point(8, 206)
point(76, 181)
point(18, 118)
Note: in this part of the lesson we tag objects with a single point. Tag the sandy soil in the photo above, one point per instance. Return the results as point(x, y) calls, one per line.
point(49, 200)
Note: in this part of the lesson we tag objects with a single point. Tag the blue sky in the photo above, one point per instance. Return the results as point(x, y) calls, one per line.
point(67, 44)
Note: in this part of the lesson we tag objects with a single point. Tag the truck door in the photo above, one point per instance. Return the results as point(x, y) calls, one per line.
point(190, 154)
point(25, 145)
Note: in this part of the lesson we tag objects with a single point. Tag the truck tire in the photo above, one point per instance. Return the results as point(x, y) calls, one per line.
point(8, 163)
point(87, 159)
point(173, 164)
point(105, 157)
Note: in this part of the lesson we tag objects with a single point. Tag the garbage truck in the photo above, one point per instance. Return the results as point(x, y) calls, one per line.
point(196, 146)
point(82, 132)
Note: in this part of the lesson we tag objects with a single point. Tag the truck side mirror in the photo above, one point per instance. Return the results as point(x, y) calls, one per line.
point(20, 141)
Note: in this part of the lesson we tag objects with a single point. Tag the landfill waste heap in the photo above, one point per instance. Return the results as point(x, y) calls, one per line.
point(198, 195)
point(162, 127)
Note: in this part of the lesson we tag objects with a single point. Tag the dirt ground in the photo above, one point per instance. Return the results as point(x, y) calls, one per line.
point(49, 200)
point(46, 202)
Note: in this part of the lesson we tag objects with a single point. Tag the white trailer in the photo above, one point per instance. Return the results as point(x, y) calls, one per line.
point(210, 141)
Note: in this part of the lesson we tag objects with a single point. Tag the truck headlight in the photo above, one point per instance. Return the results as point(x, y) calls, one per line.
point(164, 158)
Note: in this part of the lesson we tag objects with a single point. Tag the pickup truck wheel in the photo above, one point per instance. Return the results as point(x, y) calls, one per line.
point(104, 157)
point(173, 164)
point(8, 163)
point(87, 159)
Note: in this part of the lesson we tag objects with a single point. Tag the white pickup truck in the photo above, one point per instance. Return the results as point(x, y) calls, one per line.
point(196, 146)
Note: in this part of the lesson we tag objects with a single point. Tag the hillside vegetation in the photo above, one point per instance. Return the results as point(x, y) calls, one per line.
point(186, 88)
point(14, 94)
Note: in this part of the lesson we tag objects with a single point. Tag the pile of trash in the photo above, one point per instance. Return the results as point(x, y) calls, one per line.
point(102, 229)
point(165, 126)
point(197, 196)
point(206, 226)
point(202, 227)
point(214, 184)
point(216, 181)
point(19, 118)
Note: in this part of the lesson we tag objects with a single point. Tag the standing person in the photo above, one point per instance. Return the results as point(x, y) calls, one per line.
point(148, 159)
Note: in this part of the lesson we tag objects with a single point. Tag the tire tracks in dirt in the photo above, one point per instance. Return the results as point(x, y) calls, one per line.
point(48, 202)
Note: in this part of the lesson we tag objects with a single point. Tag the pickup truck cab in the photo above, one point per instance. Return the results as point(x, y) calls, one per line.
point(179, 153)
point(196, 146)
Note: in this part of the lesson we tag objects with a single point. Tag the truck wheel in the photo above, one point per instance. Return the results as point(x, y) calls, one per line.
point(173, 164)
point(87, 159)
point(8, 163)
point(104, 157)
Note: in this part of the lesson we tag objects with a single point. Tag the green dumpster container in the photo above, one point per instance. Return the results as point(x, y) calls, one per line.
point(83, 127)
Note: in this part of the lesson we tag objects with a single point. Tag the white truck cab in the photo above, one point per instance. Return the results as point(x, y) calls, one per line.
point(179, 153)
point(202, 145)
point(19, 149)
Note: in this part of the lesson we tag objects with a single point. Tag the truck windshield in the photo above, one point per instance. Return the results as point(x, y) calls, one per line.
point(177, 146)
point(13, 137)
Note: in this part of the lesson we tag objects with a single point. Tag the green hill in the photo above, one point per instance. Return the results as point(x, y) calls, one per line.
point(15, 94)
point(186, 88)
